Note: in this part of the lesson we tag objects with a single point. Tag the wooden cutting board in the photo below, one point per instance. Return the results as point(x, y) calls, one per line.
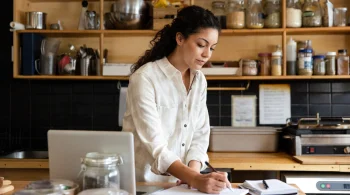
point(323, 160)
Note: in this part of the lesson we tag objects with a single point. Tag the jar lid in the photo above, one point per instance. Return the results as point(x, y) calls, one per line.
point(264, 54)
point(218, 3)
point(342, 8)
point(308, 50)
point(101, 159)
point(277, 53)
point(318, 56)
point(331, 53)
point(342, 50)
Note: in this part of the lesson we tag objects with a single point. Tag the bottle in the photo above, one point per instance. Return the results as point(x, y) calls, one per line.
point(276, 63)
point(84, 8)
point(291, 57)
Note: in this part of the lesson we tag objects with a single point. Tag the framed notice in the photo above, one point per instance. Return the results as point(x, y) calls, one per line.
point(243, 111)
point(274, 103)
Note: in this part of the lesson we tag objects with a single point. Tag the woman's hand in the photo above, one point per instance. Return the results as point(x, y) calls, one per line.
point(212, 183)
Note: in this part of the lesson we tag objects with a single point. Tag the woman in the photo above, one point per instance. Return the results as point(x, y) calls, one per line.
point(166, 103)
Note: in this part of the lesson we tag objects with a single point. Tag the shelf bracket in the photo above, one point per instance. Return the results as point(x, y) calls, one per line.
point(229, 88)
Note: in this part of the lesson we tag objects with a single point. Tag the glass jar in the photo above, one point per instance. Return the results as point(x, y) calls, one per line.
point(305, 62)
point(312, 15)
point(272, 14)
point(340, 16)
point(265, 64)
point(249, 67)
point(342, 62)
point(100, 170)
point(276, 64)
point(330, 63)
point(218, 9)
point(254, 14)
point(235, 16)
point(294, 14)
point(319, 67)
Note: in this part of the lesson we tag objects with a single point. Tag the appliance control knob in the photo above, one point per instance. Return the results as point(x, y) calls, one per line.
point(347, 150)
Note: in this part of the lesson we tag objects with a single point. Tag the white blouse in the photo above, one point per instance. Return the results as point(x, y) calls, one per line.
point(168, 122)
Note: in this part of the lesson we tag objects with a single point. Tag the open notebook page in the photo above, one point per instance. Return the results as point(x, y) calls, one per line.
point(183, 190)
point(275, 187)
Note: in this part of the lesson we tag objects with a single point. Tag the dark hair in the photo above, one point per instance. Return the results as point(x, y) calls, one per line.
point(189, 20)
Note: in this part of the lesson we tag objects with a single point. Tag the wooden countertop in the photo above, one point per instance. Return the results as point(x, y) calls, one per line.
point(268, 161)
point(21, 184)
point(238, 161)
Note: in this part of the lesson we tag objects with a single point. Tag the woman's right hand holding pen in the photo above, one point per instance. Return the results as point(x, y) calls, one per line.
point(212, 183)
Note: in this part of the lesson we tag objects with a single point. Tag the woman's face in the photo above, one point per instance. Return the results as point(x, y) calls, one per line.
point(197, 49)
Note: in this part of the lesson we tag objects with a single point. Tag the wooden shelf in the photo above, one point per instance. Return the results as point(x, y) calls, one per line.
point(208, 77)
point(264, 31)
point(319, 30)
point(64, 77)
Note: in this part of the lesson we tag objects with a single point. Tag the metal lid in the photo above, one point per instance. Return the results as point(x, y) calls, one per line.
point(331, 53)
point(342, 50)
point(101, 159)
point(341, 8)
point(318, 56)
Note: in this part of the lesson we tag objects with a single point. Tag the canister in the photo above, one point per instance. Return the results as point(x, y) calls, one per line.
point(36, 20)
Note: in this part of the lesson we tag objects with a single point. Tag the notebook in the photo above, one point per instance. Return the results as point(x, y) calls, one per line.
point(183, 190)
point(257, 187)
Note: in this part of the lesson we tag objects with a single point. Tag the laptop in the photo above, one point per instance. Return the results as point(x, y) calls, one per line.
point(67, 147)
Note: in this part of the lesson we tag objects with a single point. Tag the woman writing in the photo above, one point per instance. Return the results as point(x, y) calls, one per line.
point(166, 103)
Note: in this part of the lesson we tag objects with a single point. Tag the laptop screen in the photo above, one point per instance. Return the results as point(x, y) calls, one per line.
point(67, 147)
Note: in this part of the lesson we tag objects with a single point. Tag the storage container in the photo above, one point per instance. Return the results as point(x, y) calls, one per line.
point(243, 139)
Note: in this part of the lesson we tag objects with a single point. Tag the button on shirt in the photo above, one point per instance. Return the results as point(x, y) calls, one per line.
point(169, 123)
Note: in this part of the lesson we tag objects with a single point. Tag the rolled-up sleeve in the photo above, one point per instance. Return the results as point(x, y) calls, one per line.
point(200, 141)
point(148, 124)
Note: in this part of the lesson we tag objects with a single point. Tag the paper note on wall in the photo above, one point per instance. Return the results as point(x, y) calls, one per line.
point(274, 103)
point(243, 111)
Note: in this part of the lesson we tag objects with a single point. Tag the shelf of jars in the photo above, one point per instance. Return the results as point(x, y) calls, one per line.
point(208, 77)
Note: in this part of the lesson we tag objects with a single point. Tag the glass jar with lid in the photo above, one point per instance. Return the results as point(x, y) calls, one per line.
point(265, 63)
point(312, 15)
point(254, 14)
point(294, 14)
point(340, 16)
point(272, 14)
point(99, 170)
point(249, 67)
point(330, 63)
point(319, 67)
point(342, 62)
point(235, 14)
point(276, 63)
point(218, 9)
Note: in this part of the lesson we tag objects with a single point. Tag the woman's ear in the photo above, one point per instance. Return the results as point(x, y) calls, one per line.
point(179, 39)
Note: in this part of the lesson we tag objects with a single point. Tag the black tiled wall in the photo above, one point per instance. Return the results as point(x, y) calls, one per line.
point(30, 107)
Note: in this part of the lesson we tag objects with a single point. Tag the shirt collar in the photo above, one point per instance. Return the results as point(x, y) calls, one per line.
point(169, 70)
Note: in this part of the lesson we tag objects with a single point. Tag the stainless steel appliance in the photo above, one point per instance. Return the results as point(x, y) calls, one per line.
point(317, 136)
point(319, 182)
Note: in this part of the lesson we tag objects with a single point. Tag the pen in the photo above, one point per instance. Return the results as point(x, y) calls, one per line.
point(265, 184)
point(214, 170)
